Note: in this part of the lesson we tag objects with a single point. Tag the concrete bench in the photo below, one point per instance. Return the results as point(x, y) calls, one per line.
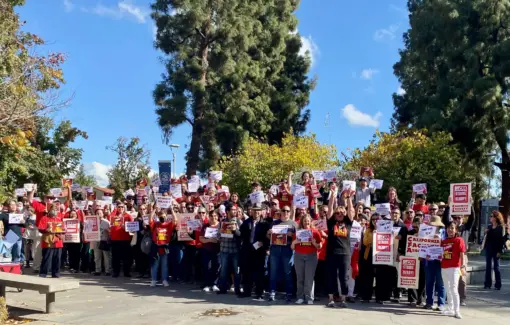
point(47, 286)
point(475, 274)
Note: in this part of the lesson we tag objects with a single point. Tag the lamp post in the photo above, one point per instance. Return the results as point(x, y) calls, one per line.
point(174, 146)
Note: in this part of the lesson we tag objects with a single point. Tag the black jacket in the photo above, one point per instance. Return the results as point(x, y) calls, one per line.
point(261, 230)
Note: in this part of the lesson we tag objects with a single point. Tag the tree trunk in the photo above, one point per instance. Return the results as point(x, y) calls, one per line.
point(505, 190)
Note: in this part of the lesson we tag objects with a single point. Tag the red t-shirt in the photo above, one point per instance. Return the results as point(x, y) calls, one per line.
point(308, 248)
point(162, 232)
point(117, 228)
point(284, 198)
point(452, 247)
point(39, 208)
point(322, 251)
point(43, 226)
point(421, 207)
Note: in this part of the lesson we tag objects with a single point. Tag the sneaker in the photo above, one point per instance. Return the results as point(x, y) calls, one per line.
point(206, 289)
point(331, 304)
point(232, 289)
point(343, 304)
point(165, 283)
point(447, 312)
point(458, 316)
point(428, 307)
point(299, 301)
point(463, 303)
point(440, 308)
point(215, 288)
point(153, 284)
point(310, 302)
point(271, 297)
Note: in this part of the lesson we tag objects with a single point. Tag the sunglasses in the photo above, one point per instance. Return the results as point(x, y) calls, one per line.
point(286, 211)
point(274, 204)
point(419, 215)
point(201, 212)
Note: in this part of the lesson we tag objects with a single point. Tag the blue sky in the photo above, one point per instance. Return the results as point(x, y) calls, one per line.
point(112, 68)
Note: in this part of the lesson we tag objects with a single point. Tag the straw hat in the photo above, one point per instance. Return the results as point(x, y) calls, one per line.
point(436, 222)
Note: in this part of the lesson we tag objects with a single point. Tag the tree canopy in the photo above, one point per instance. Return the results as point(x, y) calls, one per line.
point(455, 69)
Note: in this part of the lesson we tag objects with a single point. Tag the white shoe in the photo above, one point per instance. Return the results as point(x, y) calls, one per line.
point(458, 316)
point(310, 302)
point(153, 284)
point(165, 283)
point(232, 289)
point(206, 289)
point(215, 288)
point(299, 301)
point(447, 312)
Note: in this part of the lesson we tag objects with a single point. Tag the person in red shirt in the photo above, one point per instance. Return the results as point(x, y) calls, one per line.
point(161, 230)
point(120, 241)
point(420, 204)
point(453, 259)
point(51, 227)
point(305, 259)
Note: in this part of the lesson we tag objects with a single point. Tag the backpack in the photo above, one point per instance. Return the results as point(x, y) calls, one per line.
point(146, 244)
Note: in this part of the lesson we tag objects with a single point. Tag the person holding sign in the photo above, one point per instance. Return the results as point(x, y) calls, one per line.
point(307, 181)
point(161, 231)
point(51, 242)
point(452, 266)
point(338, 252)
point(12, 222)
point(416, 297)
point(364, 193)
point(434, 280)
point(120, 241)
point(228, 237)
point(307, 243)
point(73, 249)
point(281, 254)
point(210, 250)
point(102, 248)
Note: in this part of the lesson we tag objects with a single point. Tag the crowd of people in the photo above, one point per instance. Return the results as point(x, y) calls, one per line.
point(257, 249)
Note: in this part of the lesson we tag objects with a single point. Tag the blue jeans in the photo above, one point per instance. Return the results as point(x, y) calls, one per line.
point(211, 263)
point(17, 252)
point(489, 258)
point(433, 278)
point(279, 260)
point(188, 262)
point(175, 257)
point(155, 263)
point(228, 262)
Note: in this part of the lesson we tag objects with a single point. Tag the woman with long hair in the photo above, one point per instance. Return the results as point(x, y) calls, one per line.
point(210, 252)
point(494, 241)
point(305, 260)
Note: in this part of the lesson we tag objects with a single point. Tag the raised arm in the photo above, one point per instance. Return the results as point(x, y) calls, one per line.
point(332, 204)
point(350, 208)
point(289, 180)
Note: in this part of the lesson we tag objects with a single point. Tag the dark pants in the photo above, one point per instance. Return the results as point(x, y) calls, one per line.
point(383, 282)
point(187, 263)
point(418, 295)
point(141, 260)
point(491, 257)
point(175, 259)
point(73, 253)
point(365, 279)
point(321, 275)
point(337, 269)
point(85, 257)
point(50, 257)
point(121, 253)
point(252, 271)
point(210, 265)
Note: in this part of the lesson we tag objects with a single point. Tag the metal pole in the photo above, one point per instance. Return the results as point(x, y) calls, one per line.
point(173, 169)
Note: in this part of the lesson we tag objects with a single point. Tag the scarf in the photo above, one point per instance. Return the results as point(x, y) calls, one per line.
point(367, 242)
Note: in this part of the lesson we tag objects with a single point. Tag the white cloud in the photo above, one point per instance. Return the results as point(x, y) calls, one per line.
point(124, 9)
point(308, 45)
point(98, 170)
point(401, 91)
point(68, 5)
point(356, 117)
point(368, 74)
point(386, 34)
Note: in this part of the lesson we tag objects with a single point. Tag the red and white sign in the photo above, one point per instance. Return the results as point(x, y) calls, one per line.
point(72, 227)
point(408, 272)
point(414, 243)
point(183, 231)
point(382, 246)
point(460, 203)
point(91, 231)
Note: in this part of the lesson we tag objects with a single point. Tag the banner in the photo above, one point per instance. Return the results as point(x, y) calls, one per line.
point(20, 192)
point(408, 272)
point(420, 188)
point(92, 230)
point(193, 184)
point(414, 243)
point(383, 209)
point(460, 203)
point(176, 191)
point(72, 227)
point(164, 175)
point(348, 188)
point(321, 224)
point(376, 183)
point(216, 175)
point(16, 218)
point(382, 247)
point(297, 189)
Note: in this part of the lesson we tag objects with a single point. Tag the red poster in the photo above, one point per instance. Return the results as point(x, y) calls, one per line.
point(382, 247)
point(460, 203)
point(408, 272)
point(67, 182)
point(366, 172)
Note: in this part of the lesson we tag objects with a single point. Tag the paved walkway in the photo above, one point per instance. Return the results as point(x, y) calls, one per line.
point(102, 300)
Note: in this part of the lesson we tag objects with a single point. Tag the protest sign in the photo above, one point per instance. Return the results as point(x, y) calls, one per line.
point(16, 218)
point(132, 226)
point(355, 236)
point(414, 243)
point(408, 272)
point(460, 203)
point(315, 191)
point(129, 192)
point(382, 247)
point(194, 224)
point(384, 209)
point(20, 192)
point(330, 175)
point(227, 229)
point(384, 226)
point(257, 197)
point(29, 187)
point(366, 172)
point(81, 205)
point(176, 191)
point(182, 230)
point(300, 202)
point(434, 252)
point(427, 231)
point(193, 184)
point(91, 228)
point(108, 200)
point(318, 175)
point(216, 175)
point(279, 235)
point(211, 232)
point(348, 188)
point(75, 187)
point(67, 182)
point(304, 235)
point(420, 188)
point(376, 183)
point(56, 192)
point(320, 224)
point(56, 227)
point(72, 227)
point(297, 189)
point(88, 189)
point(164, 202)
point(274, 190)
point(396, 231)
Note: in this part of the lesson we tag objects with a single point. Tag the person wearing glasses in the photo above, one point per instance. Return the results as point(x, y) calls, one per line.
point(120, 241)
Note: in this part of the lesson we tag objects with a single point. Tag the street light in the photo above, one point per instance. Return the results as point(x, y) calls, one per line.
point(173, 146)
